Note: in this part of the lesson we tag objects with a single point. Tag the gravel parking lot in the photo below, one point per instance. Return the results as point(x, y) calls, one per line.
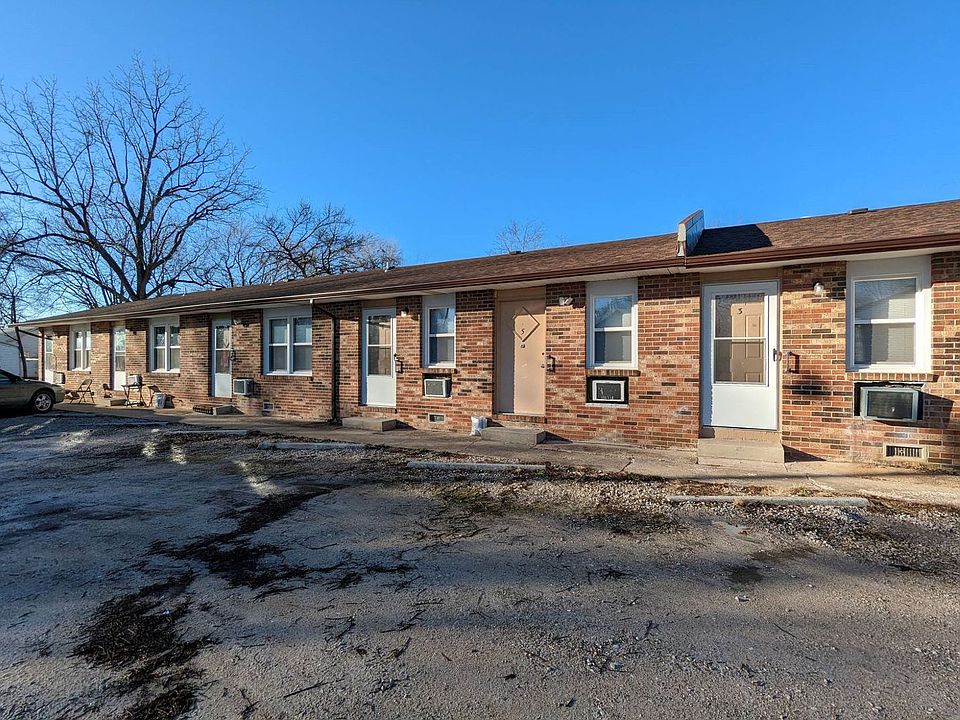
point(156, 574)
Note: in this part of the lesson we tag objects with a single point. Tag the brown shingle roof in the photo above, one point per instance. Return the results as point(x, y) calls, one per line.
point(909, 226)
point(831, 231)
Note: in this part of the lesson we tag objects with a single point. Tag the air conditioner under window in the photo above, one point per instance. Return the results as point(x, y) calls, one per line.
point(438, 387)
point(607, 390)
point(243, 386)
point(898, 404)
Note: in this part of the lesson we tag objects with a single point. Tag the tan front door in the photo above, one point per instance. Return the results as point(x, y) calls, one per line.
point(521, 355)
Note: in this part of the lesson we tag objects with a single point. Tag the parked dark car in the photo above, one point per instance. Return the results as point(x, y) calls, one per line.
point(18, 392)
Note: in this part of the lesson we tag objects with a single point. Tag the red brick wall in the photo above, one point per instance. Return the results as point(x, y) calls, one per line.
point(189, 386)
point(300, 396)
point(817, 402)
point(663, 409)
point(472, 379)
point(292, 396)
point(663, 393)
point(100, 349)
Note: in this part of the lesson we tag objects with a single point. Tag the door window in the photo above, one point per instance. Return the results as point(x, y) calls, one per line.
point(49, 362)
point(739, 342)
point(379, 345)
point(221, 360)
point(119, 351)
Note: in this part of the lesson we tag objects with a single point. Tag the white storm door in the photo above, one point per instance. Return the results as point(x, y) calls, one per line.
point(379, 371)
point(221, 358)
point(49, 359)
point(119, 357)
point(739, 356)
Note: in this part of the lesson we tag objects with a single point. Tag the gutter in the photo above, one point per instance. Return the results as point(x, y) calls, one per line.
point(334, 361)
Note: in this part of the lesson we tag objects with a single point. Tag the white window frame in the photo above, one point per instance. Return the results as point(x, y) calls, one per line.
point(289, 315)
point(166, 323)
point(87, 345)
point(437, 302)
point(905, 268)
point(611, 288)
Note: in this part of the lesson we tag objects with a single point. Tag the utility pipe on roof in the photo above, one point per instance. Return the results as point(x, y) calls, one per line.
point(334, 360)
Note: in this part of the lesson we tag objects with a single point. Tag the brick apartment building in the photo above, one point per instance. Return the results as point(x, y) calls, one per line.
point(831, 337)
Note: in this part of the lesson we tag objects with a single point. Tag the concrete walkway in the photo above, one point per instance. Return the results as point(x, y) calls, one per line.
point(905, 484)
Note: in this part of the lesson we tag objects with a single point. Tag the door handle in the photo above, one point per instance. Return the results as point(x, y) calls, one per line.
point(777, 355)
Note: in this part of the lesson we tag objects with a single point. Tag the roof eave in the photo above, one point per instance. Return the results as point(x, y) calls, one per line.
point(743, 257)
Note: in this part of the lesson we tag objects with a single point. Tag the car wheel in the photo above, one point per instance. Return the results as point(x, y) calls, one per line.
point(42, 402)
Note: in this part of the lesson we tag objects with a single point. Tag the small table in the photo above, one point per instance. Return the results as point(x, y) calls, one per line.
point(128, 391)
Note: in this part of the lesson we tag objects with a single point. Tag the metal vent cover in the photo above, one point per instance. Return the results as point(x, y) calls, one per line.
point(916, 453)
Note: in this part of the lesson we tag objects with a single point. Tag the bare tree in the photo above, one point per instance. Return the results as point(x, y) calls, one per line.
point(295, 243)
point(519, 236)
point(239, 257)
point(119, 186)
point(305, 242)
point(19, 291)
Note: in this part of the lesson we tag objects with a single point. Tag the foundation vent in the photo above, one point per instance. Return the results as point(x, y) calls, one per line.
point(917, 453)
point(436, 418)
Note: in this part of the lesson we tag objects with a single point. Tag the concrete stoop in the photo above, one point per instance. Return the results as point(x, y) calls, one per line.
point(374, 424)
point(522, 436)
point(715, 451)
point(208, 409)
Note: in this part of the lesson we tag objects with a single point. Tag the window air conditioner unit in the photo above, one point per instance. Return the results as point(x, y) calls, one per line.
point(899, 404)
point(243, 386)
point(607, 390)
point(437, 387)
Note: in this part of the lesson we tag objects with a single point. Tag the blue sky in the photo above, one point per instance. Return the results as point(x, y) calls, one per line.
point(436, 123)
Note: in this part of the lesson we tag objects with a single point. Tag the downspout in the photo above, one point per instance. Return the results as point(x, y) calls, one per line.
point(334, 360)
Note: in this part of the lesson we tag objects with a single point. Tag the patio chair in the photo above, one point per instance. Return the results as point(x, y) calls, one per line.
point(83, 393)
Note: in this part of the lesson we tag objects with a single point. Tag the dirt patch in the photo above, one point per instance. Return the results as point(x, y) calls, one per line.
point(919, 544)
point(234, 557)
point(889, 506)
point(695, 487)
point(139, 634)
point(638, 522)
point(743, 574)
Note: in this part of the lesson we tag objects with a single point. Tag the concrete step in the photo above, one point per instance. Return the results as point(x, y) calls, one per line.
point(714, 451)
point(373, 424)
point(208, 409)
point(525, 436)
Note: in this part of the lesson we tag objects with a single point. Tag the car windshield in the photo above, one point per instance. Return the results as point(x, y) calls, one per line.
point(11, 376)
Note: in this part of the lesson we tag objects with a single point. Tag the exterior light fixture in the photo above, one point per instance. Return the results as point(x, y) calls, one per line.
point(818, 289)
point(565, 300)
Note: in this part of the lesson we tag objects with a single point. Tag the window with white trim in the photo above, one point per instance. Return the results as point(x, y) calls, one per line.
point(439, 330)
point(165, 345)
point(888, 314)
point(80, 347)
point(288, 342)
point(612, 324)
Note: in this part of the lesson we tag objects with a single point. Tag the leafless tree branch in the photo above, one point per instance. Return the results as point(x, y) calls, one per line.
point(117, 188)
